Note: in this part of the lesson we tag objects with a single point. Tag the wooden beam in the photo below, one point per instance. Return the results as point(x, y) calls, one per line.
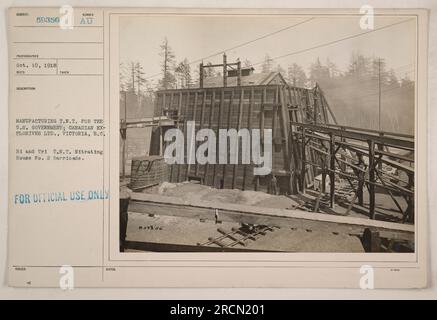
point(174, 247)
point(249, 123)
point(297, 92)
point(161, 150)
point(406, 144)
point(228, 126)
point(179, 114)
point(200, 90)
point(394, 155)
point(202, 115)
point(262, 115)
point(194, 119)
point(205, 179)
point(294, 163)
point(332, 171)
point(184, 130)
point(274, 112)
point(261, 128)
point(240, 115)
point(326, 104)
point(161, 138)
point(321, 99)
point(199, 209)
point(219, 121)
point(225, 71)
point(377, 132)
point(285, 124)
point(364, 151)
point(372, 179)
point(201, 75)
point(303, 162)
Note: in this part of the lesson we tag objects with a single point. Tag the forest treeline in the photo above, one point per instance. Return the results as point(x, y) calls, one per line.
point(358, 95)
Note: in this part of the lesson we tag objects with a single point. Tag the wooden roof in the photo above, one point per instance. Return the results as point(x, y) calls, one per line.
point(268, 78)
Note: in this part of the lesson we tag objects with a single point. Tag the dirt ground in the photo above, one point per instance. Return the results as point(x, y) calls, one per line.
point(193, 191)
point(176, 230)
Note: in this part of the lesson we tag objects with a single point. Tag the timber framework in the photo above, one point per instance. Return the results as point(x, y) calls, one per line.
point(324, 166)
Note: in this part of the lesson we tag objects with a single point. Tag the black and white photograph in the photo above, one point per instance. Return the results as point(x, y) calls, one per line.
point(260, 133)
point(220, 150)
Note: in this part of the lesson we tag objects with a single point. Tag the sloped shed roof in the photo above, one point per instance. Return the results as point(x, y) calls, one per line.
point(255, 79)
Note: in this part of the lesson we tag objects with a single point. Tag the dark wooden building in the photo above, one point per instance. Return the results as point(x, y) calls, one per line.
point(245, 100)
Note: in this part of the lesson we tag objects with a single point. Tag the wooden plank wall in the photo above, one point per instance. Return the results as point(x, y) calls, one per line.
point(251, 107)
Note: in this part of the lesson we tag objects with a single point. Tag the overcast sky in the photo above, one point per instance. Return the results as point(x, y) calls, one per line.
point(195, 37)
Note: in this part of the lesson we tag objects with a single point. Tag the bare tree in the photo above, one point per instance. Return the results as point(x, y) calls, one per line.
point(168, 79)
point(332, 68)
point(318, 73)
point(267, 65)
point(183, 72)
point(296, 75)
point(123, 77)
point(132, 75)
point(139, 77)
point(280, 69)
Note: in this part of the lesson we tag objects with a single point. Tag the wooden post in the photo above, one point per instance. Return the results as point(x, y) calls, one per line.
point(124, 136)
point(205, 179)
point(371, 179)
point(293, 143)
point(332, 171)
point(360, 190)
point(380, 148)
point(361, 176)
point(323, 187)
point(343, 164)
point(262, 115)
point(300, 105)
point(308, 107)
point(225, 71)
point(124, 204)
point(371, 240)
point(194, 119)
point(303, 162)
point(202, 115)
point(261, 129)
point(201, 75)
point(178, 126)
point(274, 112)
point(184, 132)
point(322, 105)
point(409, 212)
point(285, 124)
point(228, 126)
point(161, 140)
point(239, 73)
point(249, 124)
point(222, 99)
point(240, 114)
